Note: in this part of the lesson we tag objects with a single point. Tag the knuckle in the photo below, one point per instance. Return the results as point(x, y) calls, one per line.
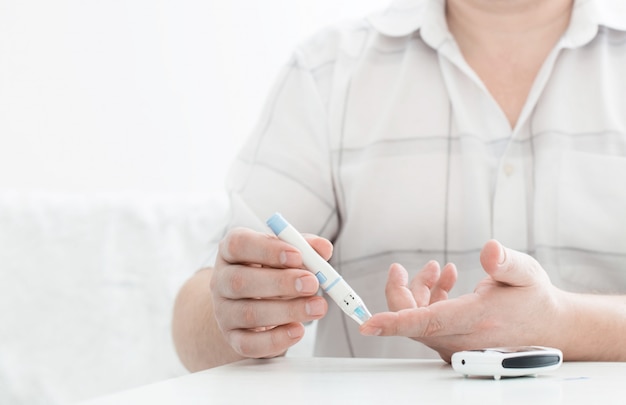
point(249, 314)
point(429, 330)
point(231, 243)
point(245, 348)
point(236, 282)
point(238, 343)
point(433, 327)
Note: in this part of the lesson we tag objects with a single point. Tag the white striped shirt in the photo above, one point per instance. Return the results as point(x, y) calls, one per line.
point(380, 137)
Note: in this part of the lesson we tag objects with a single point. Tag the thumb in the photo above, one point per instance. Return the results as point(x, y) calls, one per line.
point(509, 266)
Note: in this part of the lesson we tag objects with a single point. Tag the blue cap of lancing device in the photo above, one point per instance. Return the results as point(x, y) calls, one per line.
point(277, 223)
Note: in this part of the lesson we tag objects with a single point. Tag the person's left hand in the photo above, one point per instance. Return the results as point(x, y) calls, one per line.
point(515, 305)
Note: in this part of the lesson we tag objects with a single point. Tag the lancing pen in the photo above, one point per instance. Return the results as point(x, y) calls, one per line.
point(330, 281)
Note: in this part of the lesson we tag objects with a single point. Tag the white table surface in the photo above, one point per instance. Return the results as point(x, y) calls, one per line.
point(293, 380)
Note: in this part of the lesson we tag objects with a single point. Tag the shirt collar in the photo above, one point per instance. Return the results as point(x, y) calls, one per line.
point(404, 17)
point(589, 15)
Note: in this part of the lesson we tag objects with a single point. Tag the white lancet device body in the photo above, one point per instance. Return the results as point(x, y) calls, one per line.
point(330, 281)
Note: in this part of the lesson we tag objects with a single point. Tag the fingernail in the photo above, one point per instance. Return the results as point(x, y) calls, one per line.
point(306, 285)
point(289, 259)
point(295, 331)
point(314, 308)
point(371, 331)
point(502, 256)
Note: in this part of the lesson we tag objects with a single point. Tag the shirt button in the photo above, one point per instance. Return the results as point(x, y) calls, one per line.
point(508, 169)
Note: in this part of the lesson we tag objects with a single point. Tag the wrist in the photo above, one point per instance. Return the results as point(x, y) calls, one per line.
point(591, 327)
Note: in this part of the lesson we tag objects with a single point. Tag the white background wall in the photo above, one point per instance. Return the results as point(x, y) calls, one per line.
point(116, 97)
point(140, 95)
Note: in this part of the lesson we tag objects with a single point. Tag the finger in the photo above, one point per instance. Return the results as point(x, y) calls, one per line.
point(321, 245)
point(509, 266)
point(451, 317)
point(242, 245)
point(269, 343)
point(397, 292)
point(249, 314)
point(446, 281)
point(424, 281)
point(239, 281)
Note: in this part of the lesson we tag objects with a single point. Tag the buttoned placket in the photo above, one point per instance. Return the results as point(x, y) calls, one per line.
point(513, 182)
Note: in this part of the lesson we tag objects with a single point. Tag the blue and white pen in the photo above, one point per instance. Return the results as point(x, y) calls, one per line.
point(330, 281)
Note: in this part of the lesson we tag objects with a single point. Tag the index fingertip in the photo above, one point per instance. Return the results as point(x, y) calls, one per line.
point(370, 330)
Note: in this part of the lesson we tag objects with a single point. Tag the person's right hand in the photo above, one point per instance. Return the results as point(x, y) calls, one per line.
point(262, 294)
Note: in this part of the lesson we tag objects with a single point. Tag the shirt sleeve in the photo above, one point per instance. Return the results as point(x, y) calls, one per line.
point(286, 163)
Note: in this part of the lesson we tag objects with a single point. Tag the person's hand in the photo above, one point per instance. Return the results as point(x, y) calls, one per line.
point(516, 304)
point(262, 294)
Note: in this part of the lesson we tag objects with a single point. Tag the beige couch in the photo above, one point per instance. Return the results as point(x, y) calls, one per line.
point(87, 284)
